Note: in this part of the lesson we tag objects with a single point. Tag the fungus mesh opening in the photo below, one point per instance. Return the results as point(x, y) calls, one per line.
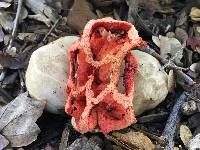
point(99, 61)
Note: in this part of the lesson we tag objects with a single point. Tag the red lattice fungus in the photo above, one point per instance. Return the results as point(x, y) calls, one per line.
point(96, 68)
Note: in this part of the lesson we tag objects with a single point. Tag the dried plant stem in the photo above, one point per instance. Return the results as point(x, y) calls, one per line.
point(174, 118)
point(52, 28)
point(152, 52)
point(22, 84)
point(16, 22)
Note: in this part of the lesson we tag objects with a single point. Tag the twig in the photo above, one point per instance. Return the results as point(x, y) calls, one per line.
point(174, 67)
point(52, 28)
point(16, 22)
point(152, 52)
point(174, 118)
point(175, 56)
point(170, 127)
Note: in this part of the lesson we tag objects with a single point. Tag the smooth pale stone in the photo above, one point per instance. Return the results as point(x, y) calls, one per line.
point(150, 83)
point(47, 73)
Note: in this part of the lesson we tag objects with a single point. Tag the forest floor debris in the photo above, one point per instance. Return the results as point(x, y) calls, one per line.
point(40, 22)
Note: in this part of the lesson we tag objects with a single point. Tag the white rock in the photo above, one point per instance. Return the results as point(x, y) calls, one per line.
point(150, 83)
point(47, 74)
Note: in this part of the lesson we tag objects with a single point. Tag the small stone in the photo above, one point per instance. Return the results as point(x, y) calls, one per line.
point(150, 83)
point(47, 73)
point(189, 107)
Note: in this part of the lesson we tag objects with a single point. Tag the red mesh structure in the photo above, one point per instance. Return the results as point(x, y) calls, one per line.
point(99, 60)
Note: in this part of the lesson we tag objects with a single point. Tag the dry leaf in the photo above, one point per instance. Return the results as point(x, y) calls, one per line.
point(152, 6)
point(17, 120)
point(41, 18)
point(196, 30)
point(134, 139)
point(185, 134)
point(40, 7)
point(28, 36)
point(9, 79)
point(171, 81)
point(156, 40)
point(101, 3)
point(80, 14)
point(169, 48)
point(181, 35)
point(4, 5)
point(195, 14)
point(19, 61)
point(65, 138)
point(94, 143)
point(194, 44)
point(6, 21)
point(182, 18)
point(3, 142)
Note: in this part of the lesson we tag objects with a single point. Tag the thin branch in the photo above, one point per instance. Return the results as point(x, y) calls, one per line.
point(21, 78)
point(152, 52)
point(52, 28)
point(16, 22)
